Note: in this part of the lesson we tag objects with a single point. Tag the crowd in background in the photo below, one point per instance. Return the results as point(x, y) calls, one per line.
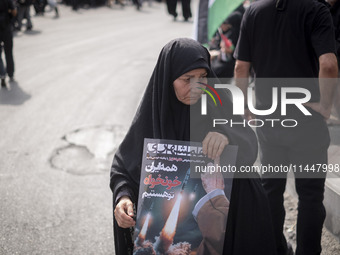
point(25, 8)
point(221, 46)
point(15, 16)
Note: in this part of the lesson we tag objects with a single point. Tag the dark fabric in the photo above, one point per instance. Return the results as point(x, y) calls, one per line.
point(39, 6)
point(234, 19)
point(202, 22)
point(24, 13)
point(161, 115)
point(335, 11)
point(171, 5)
point(286, 42)
point(137, 3)
point(292, 37)
point(249, 229)
point(6, 37)
point(225, 69)
point(5, 17)
point(75, 4)
point(240, 9)
point(186, 10)
point(306, 145)
point(25, 2)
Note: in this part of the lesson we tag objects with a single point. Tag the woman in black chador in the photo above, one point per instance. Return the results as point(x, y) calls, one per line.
point(164, 113)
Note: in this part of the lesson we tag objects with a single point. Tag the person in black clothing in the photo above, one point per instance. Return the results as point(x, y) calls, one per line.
point(242, 7)
point(291, 39)
point(24, 13)
point(137, 3)
point(169, 107)
point(7, 12)
point(186, 10)
point(39, 7)
point(224, 62)
point(75, 5)
point(335, 11)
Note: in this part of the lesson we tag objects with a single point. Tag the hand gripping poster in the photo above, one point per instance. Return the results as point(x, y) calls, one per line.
point(183, 200)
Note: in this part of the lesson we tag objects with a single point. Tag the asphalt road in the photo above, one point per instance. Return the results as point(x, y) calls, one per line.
point(78, 82)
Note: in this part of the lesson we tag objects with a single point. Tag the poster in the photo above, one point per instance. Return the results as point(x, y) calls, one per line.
point(176, 210)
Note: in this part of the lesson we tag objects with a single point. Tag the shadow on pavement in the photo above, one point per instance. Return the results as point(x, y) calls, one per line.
point(22, 33)
point(14, 95)
point(32, 32)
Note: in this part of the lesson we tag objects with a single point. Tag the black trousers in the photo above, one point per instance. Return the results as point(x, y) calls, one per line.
point(302, 146)
point(186, 10)
point(6, 37)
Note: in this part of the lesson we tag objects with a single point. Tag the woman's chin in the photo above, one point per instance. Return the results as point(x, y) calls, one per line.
point(193, 101)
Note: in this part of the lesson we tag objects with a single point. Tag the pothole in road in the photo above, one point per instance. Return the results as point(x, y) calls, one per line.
point(89, 150)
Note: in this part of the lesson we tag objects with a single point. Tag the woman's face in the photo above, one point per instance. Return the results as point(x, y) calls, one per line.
point(187, 86)
point(226, 27)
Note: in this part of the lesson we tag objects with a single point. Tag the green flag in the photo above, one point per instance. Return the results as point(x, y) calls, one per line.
point(211, 15)
point(219, 10)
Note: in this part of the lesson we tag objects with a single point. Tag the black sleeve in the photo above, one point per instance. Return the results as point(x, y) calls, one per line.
point(323, 39)
point(123, 192)
point(243, 50)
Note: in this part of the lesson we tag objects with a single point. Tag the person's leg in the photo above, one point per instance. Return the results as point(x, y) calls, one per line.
point(2, 70)
point(311, 215)
point(310, 152)
point(274, 184)
point(36, 7)
point(186, 9)
point(56, 12)
point(74, 5)
point(44, 3)
point(28, 18)
point(137, 3)
point(21, 13)
point(2, 66)
point(171, 5)
point(8, 48)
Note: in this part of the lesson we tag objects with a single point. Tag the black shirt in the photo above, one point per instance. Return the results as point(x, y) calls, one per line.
point(285, 43)
point(335, 11)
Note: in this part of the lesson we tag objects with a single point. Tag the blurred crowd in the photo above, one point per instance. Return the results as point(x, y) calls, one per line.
point(15, 16)
point(40, 7)
point(221, 46)
point(24, 7)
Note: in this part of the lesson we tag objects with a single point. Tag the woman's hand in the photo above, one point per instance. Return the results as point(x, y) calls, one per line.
point(214, 144)
point(124, 212)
